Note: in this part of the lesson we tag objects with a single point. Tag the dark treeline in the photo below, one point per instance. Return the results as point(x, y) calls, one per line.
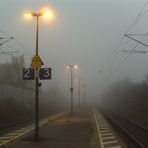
point(129, 99)
point(17, 96)
point(12, 73)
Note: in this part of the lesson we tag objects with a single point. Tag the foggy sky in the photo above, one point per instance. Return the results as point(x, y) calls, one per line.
point(85, 32)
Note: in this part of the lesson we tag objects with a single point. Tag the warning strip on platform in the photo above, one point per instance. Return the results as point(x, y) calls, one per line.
point(18, 134)
point(105, 134)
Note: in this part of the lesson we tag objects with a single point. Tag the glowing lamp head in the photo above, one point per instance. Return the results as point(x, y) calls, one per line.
point(72, 66)
point(47, 15)
point(67, 66)
point(28, 15)
point(75, 66)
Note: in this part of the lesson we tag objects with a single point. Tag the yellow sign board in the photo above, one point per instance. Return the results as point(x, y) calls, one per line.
point(36, 62)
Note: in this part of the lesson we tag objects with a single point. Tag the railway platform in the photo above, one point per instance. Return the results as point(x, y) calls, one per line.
point(86, 128)
point(64, 132)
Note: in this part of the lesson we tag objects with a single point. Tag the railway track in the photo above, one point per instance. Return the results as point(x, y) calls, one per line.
point(134, 134)
point(12, 125)
point(103, 134)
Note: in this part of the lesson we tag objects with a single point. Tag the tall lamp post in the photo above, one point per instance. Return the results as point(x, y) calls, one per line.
point(71, 67)
point(46, 15)
point(79, 90)
point(84, 94)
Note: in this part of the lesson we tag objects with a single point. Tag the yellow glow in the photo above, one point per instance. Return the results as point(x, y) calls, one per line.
point(72, 66)
point(28, 15)
point(48, 13)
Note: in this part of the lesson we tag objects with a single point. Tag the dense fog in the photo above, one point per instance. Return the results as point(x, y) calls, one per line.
point(88, 33)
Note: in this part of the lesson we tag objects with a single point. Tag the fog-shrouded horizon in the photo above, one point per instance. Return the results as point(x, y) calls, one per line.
point(87, 33)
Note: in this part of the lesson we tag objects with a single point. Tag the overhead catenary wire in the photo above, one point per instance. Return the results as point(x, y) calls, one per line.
point(139, 16)
point(117, 51)
point(9, 39)
point(110, 56)
point(17, 41)
point(125, 58)
point(118, 66)
point(138, 34)
point(136, 40)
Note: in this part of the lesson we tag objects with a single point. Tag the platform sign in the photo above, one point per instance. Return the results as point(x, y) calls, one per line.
point(36, 62)
point(28, 74)
point(45, 73)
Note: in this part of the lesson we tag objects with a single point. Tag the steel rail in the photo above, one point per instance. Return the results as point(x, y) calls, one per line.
point(124, 130)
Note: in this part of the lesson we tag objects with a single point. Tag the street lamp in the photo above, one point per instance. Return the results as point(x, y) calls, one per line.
point(71, 67)
point(79, 90)
point(84, 93)
point(29, 15)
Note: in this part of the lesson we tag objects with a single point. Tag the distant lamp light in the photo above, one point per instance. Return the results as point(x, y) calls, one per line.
point(72, 66)
point(75, 66)
point(67, 66)
point(28, 15)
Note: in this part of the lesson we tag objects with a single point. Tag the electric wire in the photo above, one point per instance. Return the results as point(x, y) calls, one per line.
point(17, 41)
point(110, 56)
point(118, 66)
point(139, 16)
point(125, 58)
point(116, 51)
point(138, 34)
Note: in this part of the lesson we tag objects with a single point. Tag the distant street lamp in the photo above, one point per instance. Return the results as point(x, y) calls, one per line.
point(84, 93)
point(47, 14)
point(79, 90)
point(71, 67)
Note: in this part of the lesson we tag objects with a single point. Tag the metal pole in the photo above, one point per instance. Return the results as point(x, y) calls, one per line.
point(37, 88)
point(84, 95)
point(71, 90)
point(37, 33)
point(79, 90)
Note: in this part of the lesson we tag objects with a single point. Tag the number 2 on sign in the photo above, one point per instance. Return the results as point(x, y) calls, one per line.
point(26, 73)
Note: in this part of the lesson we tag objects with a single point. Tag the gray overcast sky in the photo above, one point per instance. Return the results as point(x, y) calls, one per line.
point(85, 32)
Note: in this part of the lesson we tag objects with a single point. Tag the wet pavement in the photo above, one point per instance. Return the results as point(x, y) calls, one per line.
point(65, 132)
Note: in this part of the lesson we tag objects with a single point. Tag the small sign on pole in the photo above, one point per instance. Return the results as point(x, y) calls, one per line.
point(28, 74)
point(36, 62)
point(45, 73)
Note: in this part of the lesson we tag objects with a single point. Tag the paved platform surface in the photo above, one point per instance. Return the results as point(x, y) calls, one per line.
point(64, 132)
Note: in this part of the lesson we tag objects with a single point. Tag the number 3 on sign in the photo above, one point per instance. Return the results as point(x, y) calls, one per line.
point(45, 73)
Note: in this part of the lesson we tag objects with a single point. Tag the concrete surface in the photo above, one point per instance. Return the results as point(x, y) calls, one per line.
point(64, 132)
